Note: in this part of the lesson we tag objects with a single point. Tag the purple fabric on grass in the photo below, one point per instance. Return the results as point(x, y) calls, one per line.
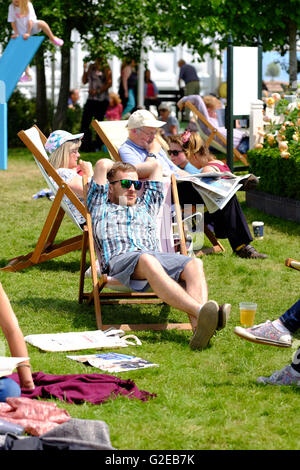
point(94, 388)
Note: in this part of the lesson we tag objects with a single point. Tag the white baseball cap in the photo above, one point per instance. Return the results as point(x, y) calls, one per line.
point(143, 118)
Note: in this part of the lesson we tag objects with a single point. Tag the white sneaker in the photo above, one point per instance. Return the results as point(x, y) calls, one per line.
point(265, 333)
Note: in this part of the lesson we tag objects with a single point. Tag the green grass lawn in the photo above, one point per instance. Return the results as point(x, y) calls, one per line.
point(205, 400)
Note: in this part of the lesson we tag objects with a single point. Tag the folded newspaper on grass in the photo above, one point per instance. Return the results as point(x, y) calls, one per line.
point(216, 189)
point(8, 364)
point(110, 338)
point(114, 362)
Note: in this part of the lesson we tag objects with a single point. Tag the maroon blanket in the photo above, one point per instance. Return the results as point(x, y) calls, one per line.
point(94, 388)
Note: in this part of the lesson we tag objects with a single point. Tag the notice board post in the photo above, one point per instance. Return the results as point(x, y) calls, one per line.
point(244, 85)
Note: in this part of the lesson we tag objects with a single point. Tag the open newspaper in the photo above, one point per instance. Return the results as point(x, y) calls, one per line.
point(215, 188)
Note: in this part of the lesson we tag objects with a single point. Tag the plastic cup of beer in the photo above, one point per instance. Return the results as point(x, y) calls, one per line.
point(247, 313)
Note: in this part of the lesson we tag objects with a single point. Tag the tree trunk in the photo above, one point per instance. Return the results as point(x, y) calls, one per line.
point(60, 115)
point(41, 93)
point(292, 27)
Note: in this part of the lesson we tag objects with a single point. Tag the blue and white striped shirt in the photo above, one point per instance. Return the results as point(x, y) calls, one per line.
point(119, 229)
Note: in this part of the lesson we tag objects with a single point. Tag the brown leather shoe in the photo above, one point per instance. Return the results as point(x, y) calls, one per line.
point(249, 251)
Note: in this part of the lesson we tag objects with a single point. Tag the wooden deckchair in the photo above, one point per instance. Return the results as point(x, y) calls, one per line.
point(46, 248)
point(119, 294)
point(209, 133)
point(292, 263)
point(113, 134)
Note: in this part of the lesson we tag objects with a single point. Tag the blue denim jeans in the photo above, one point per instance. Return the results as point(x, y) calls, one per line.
point(291, 318)
point(8, 388)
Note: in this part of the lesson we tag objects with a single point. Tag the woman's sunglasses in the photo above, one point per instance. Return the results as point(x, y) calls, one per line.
point(174, 152)
point(126, 184)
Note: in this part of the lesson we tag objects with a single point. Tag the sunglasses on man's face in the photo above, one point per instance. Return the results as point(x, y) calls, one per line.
point(126, 184)
point(174, 152)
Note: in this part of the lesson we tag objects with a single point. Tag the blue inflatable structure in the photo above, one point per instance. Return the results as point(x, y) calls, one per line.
point(15, 58)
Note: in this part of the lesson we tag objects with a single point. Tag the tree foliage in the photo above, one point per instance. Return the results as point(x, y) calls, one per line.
point(109, 27)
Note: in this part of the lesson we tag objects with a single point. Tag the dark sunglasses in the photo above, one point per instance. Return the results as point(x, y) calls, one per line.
point(174, 152)
point(126, 184)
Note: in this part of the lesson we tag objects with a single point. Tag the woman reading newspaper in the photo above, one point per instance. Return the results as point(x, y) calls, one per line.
point(228, 221)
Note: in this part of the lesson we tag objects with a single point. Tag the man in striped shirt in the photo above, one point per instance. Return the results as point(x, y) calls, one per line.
point(124, 229)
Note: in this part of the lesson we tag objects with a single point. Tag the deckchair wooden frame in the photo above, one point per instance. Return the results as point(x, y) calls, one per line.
point(46, 248)
point(216, 247)
point(214, 133)
point(292, 263)
point(97, 294)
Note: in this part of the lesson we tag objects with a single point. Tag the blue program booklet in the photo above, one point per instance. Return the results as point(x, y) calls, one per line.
point(114, 362)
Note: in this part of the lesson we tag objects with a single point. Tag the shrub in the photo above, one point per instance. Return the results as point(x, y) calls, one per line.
point(278, 175)
point(73, 120)
point(20, 115)
point(277, 160)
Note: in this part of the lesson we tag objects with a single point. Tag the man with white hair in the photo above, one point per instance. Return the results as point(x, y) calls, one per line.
point(141, 149)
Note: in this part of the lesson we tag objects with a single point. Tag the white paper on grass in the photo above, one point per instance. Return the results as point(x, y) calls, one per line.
point(8, 364)
point(74, 341)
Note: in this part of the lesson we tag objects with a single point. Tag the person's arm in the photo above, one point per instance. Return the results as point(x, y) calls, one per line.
point(12, 19)
point(108, 79)
point(125, 75)
point(86, 168)
point(14, 27)
point(74, 180)
point(102, 167)
point(84, 78)
point(29, 28)
point(15, 339)
point(182, 172)
point(173, 129)
point(209, 169)
point(151, 168)
point(76, 185)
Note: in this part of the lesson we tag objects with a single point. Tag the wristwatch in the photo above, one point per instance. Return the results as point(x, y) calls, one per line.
point(152, 155)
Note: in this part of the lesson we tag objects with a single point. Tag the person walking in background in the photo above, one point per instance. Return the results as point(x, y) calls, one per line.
point(189, 75)
point(24, 23)
point(99, 77)
point(128, 86)
point(150, 92)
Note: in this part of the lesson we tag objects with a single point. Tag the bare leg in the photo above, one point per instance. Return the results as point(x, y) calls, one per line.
point(27, 71)
point(15, 339)
point(47, 30)
point(166, 288)
point(194, 277)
